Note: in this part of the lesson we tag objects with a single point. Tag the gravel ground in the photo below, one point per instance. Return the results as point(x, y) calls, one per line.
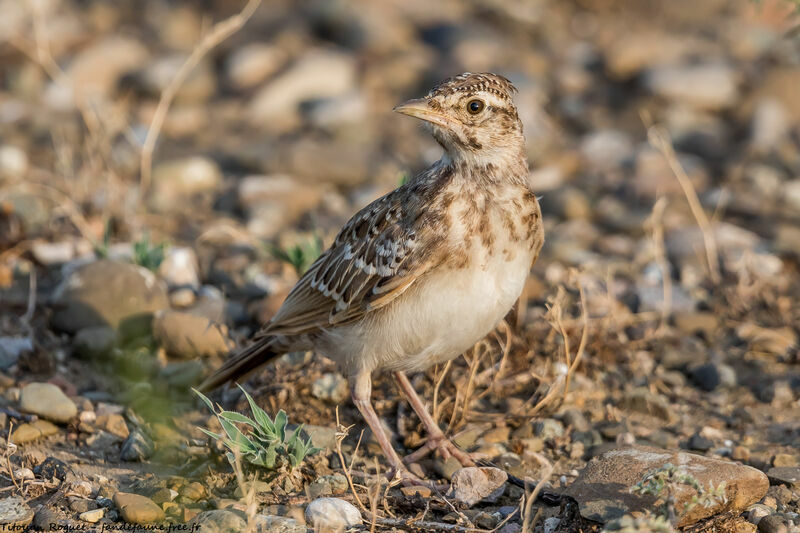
point(659, 326)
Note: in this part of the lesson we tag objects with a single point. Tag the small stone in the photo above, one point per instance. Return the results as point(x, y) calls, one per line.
point(47, 401)
point(179, 268)
point(331, 387)
point(786, 475)
point(46, 519)
point(137, 447)
point(575, 419)
point(772, 524)
point(219, 521)
point(697, 322)
point(193, 491)
point(317, 74)
point(643, 401)
point(114, 424)
point(138, 509)
point(251, 64)
point(496, 435)
point(187, 336)
point(700, 443)
point(94, 342)
point(182, 180)
point(332, 514)
point(278, 524)
point(321, 436)
point(708, 86)
point(548, 428)
point(446, 468)
point(52, 468)
point(474, 484)
point(740, 453)
point(11, 348)
point(422, 490)
point(92, 516)
point(24, 473)
point(784, 459)
point(757, 511)
point(25, 433)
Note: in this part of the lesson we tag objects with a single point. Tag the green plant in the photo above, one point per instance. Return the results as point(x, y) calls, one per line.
point(101, 248)
point(301, 256)
point(403, 178)
point(664, 482)
point(266, 443)
point(147, 254)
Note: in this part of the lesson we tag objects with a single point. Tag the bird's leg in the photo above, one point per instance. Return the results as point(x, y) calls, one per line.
point(360, 391)
point(436, 438)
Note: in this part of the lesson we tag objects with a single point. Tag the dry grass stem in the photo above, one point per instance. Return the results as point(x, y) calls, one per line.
point(528, 523)
point(657, 228)
point(439, 380)
point(219, 32)
point(659, 139)
point(341, 434)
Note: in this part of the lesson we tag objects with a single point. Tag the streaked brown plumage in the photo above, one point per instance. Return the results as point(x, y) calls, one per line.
point(421, 274)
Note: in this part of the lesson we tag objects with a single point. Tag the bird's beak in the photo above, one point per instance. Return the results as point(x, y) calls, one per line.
point(419, 108)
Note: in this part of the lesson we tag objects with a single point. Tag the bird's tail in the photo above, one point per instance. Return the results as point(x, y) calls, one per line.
point(241, 363)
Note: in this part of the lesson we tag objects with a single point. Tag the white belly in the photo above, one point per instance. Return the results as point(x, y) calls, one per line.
point(445, 314)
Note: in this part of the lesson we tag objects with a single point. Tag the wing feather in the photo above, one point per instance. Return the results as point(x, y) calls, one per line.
point(373, 260)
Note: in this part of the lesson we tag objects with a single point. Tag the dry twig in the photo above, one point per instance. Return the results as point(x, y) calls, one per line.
point(219, 32)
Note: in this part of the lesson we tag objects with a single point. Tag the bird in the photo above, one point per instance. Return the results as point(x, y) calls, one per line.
point(421, 274)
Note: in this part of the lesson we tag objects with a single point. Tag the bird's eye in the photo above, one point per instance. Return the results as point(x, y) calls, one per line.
point(475, 106)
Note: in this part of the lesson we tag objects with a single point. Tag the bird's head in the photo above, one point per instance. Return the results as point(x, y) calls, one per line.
point(472, 116)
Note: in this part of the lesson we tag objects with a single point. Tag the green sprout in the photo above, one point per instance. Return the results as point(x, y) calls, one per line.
point(301, 256)
point(147, 254)
point(266, 443)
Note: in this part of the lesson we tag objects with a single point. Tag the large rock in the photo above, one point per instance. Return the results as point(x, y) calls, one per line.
point(47, 401)
point(603, 487)
point(106, 293)
point(185, 336)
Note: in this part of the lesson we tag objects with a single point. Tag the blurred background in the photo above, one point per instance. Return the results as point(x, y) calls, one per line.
point(663, 139)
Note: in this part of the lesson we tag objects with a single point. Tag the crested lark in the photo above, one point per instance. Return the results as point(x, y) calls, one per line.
point(420, 275)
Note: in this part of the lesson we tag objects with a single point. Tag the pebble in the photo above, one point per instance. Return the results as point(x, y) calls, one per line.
point(138, 447)
point(784, 459)
point(331, 387)
point(187, 336)
point(29, 432)
point(700, 443)
point(48, 401)
point(548, 428)
point(641, 400)
point(179, 181)
point(332, 514)
point(138, 509)
point(94, 342)
point(317, 74)
point(219, 521)
point(602, 492)
point(92, 516)
point(278, 524)
point(706, 86)
point(422, 490)
point(179, 268)
point(772, 524)
point(787, 475)
point(251, 64)
point(471, 485)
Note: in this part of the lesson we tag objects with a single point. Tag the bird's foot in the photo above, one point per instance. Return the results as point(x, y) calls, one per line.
point(445, 447)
